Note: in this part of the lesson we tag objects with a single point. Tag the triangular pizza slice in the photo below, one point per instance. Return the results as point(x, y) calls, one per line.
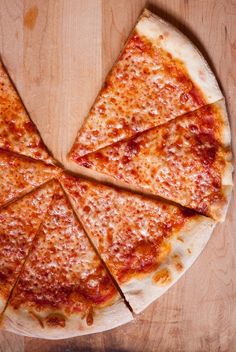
point(146, 244)
point(186, 160)
point(159, 75)
point(17, 132)
point(64, 289)
point(19, 223)
point(19, 175)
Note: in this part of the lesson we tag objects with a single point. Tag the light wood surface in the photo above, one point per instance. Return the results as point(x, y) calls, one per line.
point(57, 53)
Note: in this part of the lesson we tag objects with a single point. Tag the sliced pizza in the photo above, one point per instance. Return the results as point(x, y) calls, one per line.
point(159, 75)
point(186, 160)
point(64, 289)
point(19, 223)
point(17, 132)
point(146, 244)
point(19, 175)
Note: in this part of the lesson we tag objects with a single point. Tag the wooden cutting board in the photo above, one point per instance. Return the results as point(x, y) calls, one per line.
point(58, 53)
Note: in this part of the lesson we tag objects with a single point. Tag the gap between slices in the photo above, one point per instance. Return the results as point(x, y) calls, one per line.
point(146, 244)
point(159, 76)
point(187, 160)
point(63, 290)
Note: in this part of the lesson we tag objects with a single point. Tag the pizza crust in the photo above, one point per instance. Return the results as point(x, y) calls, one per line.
point(225, 133)
point(186, 246)
point(178, 45)
point(227, 180)
point(22, 323)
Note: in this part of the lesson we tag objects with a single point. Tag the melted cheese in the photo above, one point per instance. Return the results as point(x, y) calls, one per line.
point(130, 232)
point(20, 175)
point(146, 88)
point(19, 223)
point(63, 273)
point(181, 160)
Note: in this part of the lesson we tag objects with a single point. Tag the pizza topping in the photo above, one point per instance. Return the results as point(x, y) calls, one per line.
point(19, 223)
point(62, 272)
point(130, 232)
point(146, 88)
point(181, 160)
point(162, 277)
point(20, 175)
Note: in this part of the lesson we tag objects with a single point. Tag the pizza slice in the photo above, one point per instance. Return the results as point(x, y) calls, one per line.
point(17, 132)
point(64, 289)
point(19, 223)
point(159, 75)
point(186, 160)
point(146, 244)
point(19, 175)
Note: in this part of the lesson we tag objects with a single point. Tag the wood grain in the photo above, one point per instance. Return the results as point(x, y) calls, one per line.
point(58, 53)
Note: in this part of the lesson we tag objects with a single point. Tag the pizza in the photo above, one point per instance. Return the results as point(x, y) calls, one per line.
point(146, 244)
point(63, 288)
point(19, 224)
point(17, 131)
point(20, 175)
point(158, 76)
point(84, 253)
point(186, 160)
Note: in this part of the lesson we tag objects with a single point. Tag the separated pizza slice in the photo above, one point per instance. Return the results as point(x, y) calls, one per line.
point(159, 75)
point(146, 244)
point(19, 223)
point(64, 290)
point(186, 160)
point(17, 132)
point(19, 175)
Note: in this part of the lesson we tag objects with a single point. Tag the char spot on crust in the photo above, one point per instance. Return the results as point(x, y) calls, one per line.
point(162, 277)
point(180, 239)
point(39, 320)
point(89, 318)
point(177, 262)
point(55, 320)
